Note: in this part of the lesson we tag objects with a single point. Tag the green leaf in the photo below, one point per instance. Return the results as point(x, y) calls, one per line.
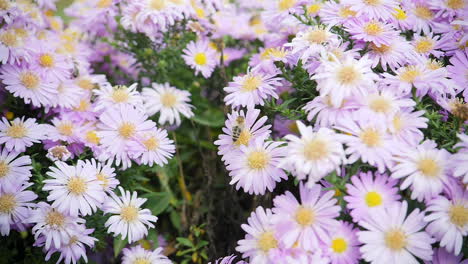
point(175, 220)
point(119, 244)
point(212, 117)
point(184, 241)
point(157, 202)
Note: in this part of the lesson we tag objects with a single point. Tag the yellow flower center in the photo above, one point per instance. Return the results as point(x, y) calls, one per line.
point(17, 131)
point(348, 75)
point(120, 95)
point(318, 36)
point(399, 14)
point(315, 149)
point(267, 241)
point(102, 178)
point(346, 12)
point(382, 49)
point(380, 104)
point(270, 53)
point(370, 137)
point(429, 167)
point(200, 12)
point(85, 84)
point(55, 219)
point(7, 203)
point(4, 168)
point(397, 122)
point(200, 58)
point(372, 2)
point(9, 39)
point(284, 5)
point(258, 159)
point(168, 99)
point(46, 60)
point(251, 83)
point(151, 144)
point(373, 28)
point(314, 8)
point(409, 74)
point(459, 215)
point(126, 130)
point(104, 3)
point(339, 245)
point(65, 129)
point(92, 137)
point(456, 4)
point(129, 213)
point(4, 4)
point(395, 239)
point(77, 186)
point(158, 4)
point(83, 106)
point(141, 261)
point(305, 216)
point(424, 45)
point(373, 199)
point(29, 80)
point(424, 13)
point(244, 138)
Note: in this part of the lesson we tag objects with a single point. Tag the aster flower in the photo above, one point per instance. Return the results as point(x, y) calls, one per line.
point(459, 160)
point(448, 219)
point(168, 101)
point(14, 170)
point(421, 15)
point(255, 167)
point(393, 55)
point(424, 168)
point(138, 254)
point(375, 9)
point(371, 30)
point(105, 175)
point(74, 189)
point(398, 239)
point(199, 56)
point(58, 152)
point(261, 238)
point(367, 194)
point(49, 63)
point(333, 13)
point(308, 222)
point(312, 42)
point(250, 130)
point(251, 89)
point(314, 154)
point(368, 141)
point(159, 15)
point(15, 204)
point(343, 246)
point(29, 85)
point(128, 219)
point(457, 71)
point(406, 126)
point(429, 45)
point(153, 147)
point(65, 129)
point(108, 96)
point(13, 45)
point(342, 79)
point(441, 256)
point(325, 114)
point(54, 226)
point(20, 133)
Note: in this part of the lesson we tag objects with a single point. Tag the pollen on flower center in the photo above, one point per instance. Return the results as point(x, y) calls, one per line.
point(151, 144)
point(7, 203)
point(258, 160)
point(120, 95)
point(267, 241)
point(315, 149)
point(17, 131)
point(339, 245)
point(346, 12)
point(456, 4)
point(4, 5)
point(373, 28)
point(141, 261)
point(314, 8)
point(129, 213)
point(423, 12)
point(459, 215)
point(380, 104)
point(305, 216)
point(244, 138)
point(104, 3)
point(158, 4)
point(395, 239)
point(400, 14)
point(85, 84)
point(397, 123)
point(370, 137)
point(103, 178)
point(92, 137)
point(373, 199)
point(429, 167)
point(168, 99)
point(29, 80)
point(409, 74)
point(46, 60)
point(65, 129)
point(9, 39)
point(200, 58)
point(126, 130)
point(318, 36)
point(76, 186)
point(4, 169)
point(348, 75)
point(382, 49)
point(55, 219)
point(372, 2)
point(284, 5)
point(83, 106)
point(424, 45)
point(251, 83)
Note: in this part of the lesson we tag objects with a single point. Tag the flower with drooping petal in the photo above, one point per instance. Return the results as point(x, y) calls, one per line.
point(15, 204)
point(14, 170)
point(137, 254)
point(21, 133)
point(128, 219)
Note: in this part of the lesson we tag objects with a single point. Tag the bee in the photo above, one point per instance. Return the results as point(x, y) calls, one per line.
point(237, 128)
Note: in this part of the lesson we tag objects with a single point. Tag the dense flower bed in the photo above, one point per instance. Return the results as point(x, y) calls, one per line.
point(341, 126)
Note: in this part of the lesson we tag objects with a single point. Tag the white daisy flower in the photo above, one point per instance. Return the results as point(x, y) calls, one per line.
point(15, 207)
point(459, 160)
point(137, 254)
point(14, 170)
point(111, 96)
point(20, 134)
